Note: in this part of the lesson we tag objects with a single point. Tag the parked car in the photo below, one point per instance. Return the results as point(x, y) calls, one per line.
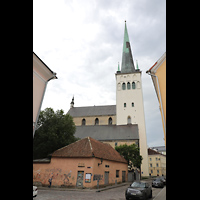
point(139, 190)
point(35, 191)
point(158, 182)
point(163, 179)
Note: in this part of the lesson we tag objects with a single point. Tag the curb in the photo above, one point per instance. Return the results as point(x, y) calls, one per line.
point(87, 189)
point(111, 187)
point(83, 190)
point(65, 189)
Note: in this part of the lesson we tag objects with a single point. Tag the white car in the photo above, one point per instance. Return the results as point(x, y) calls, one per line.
point(35, 191)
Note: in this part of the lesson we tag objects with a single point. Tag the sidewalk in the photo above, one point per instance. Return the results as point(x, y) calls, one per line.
point(88, 189)
point(84, 189)
point(161, 195)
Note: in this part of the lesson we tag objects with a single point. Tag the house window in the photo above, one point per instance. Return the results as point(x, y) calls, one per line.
point(96, 121)
point(156, 164)
point(115, 143)
point(128, 86)
point(124, 105)
point(132, 104)
point(133, 85)
point(110, 121)
point(158, 171)
point(150, 159)
point(83, 122)
point(123, 86)
point(150, 165)
point(117, 173)
point(152, 171)
point(129, 120)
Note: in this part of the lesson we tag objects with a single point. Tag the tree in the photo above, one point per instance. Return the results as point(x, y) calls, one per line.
point(56, 130)
point(131, 153)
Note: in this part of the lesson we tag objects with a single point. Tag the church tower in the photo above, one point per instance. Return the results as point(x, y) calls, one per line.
point(129, 99)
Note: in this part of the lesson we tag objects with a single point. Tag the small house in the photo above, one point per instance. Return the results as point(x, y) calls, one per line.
point(82, 164)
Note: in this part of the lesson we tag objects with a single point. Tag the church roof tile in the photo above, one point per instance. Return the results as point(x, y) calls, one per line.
point(108, 132)
point(92, 111)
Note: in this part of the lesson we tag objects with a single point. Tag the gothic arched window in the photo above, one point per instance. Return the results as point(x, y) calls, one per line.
point(123, 86)
point(83, 122)
point(129, 120)
point(133, 85)
point(110, 121)
point(119, 86)
point(128, 86)
point(96, 121)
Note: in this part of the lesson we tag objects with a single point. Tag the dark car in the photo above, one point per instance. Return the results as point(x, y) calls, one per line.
point(163, 179)
point(158, 182)
point(139, 190)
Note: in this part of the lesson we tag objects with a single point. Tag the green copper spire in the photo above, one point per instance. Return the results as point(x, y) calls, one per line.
point(127, 59)
point(118, 67)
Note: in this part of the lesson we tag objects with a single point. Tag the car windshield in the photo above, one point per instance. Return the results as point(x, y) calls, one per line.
point(138, 184)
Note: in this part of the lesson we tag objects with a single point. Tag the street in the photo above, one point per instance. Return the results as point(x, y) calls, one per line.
point(111, 194)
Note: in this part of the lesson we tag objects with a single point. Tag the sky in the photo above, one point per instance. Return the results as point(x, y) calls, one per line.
point(82, 41)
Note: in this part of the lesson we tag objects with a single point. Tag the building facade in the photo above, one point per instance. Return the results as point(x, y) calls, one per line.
point(93, 115)
point(82, 164)
point(123, 123)
point(158, 75)
point(157, 163)
point(41, 76)
point(160, 149)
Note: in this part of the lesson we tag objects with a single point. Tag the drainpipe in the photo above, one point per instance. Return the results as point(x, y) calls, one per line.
point(35, 123)
point(149, 73)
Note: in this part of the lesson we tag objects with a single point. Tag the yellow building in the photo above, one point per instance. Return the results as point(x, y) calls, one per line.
point(157, 163)
point(158, 75)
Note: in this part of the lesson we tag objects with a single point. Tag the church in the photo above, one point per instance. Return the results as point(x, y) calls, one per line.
point(123, 123)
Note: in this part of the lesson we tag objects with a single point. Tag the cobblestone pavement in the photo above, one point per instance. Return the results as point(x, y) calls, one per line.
point(111, 194)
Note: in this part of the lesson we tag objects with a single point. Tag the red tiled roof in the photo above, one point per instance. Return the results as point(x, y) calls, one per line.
point(153, 152)
point(89, 147)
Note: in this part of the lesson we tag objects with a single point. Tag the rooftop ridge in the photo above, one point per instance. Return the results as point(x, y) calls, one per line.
point(90, 144)
point(93, 106)
point(88, 147)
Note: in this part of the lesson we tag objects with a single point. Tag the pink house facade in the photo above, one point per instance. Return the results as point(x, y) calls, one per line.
point(82, 164)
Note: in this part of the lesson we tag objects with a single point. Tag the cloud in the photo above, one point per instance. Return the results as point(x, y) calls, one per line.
point(82, 42)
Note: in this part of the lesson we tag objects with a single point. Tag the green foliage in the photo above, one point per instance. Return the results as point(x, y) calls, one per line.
point(131, 153)
point(56, 131)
